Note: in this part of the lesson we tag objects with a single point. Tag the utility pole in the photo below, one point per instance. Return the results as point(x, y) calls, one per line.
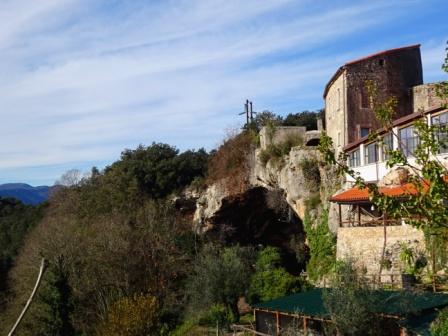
point(249, 112)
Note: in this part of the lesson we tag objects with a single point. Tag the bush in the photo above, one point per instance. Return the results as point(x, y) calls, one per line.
point(131, 316)
point(311, 173)
point(230, 162)
point(440, 326)
point(313, 201)
point(217, 315)
point(349, 301)
point(322, 244)
point(219, 277)
point(270, 279)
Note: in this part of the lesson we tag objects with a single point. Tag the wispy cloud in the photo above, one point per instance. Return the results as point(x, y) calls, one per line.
point(81, 80)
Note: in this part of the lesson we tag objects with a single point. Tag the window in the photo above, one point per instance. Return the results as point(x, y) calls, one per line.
point(354, 158)
point(381, 62)
point(364, 131)
point(387, 146)
point(370, 153)
point(408, 140)
point(441, 131)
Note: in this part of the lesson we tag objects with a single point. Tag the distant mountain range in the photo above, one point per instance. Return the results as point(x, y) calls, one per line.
point(24, 192)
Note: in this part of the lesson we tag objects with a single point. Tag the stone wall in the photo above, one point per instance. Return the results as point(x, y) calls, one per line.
point(335, 107)
point(365, 244)
point(394, 74)
point(279, 134)
point(425, 97)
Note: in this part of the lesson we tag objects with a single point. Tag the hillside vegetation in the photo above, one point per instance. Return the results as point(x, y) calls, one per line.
point(123, 255)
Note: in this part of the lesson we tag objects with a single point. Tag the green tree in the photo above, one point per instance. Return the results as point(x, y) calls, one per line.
point(304, 118)
point(270, 279)
point(55, 303)
point(219, 277)
point(16, 221)
point(159, 169)
point(267, 118)
point(349, 301)
point(322, 244)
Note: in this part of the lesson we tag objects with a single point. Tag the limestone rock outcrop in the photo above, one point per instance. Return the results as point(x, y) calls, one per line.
point(394, 177)
point(288, 176)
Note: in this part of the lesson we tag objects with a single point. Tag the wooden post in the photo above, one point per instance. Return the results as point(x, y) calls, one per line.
point(340, 215)
point(305, 327)
point(277, 316)
point(359, 215)
point(433, 257)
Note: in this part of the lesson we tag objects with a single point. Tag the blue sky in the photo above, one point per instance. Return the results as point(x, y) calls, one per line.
point(80, 80)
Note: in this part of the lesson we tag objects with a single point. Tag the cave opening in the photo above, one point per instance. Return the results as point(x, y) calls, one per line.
point(261, 217)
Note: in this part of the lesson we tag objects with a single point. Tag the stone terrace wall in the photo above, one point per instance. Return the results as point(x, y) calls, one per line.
point(366, 244)
point(280, 134)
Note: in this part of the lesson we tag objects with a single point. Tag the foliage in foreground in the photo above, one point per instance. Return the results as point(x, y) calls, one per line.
point(220, 276)
point(322, 244)
point(52, 315)
point(349, 302)
point(16, 221)
point(270, 279)
point(131, 316)
point(440, 326)
point(117, 237)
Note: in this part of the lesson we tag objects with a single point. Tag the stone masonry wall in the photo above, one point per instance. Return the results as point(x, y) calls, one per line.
point(425, 97)
point(280, 134)
point(365, 244)
point(335, 107)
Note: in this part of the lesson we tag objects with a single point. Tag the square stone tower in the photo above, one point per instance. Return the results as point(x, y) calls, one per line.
point(348, 116)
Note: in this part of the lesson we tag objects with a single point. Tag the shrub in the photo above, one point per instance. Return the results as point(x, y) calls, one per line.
point(230, 162)
point(440, 326)
point(313, 201)
point(270, 279)
point(219, 277)
point(349, 301)
point(311, 173)
point(217, 315)
point(131, 316)
point(322, 244)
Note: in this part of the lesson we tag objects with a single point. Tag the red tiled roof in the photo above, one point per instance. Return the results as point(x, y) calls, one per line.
point(362, 195)
point(354, 195)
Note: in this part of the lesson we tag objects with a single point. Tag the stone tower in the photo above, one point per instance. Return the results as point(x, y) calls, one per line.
point(348, 116)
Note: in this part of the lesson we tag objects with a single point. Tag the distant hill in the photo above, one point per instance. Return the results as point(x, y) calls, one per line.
point(24, 192)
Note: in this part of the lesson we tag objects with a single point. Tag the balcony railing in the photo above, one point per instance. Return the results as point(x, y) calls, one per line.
point(370, 223)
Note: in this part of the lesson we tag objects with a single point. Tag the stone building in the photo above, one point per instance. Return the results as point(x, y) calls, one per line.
point(362, 231)
point(348, 115)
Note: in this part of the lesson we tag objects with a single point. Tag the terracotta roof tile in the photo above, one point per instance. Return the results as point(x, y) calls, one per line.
point(362, 195)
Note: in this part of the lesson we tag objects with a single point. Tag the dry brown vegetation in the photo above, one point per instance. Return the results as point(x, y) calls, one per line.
point(230, 164)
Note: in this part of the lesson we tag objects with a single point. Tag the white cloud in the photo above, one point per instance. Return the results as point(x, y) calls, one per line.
point(82, 80)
